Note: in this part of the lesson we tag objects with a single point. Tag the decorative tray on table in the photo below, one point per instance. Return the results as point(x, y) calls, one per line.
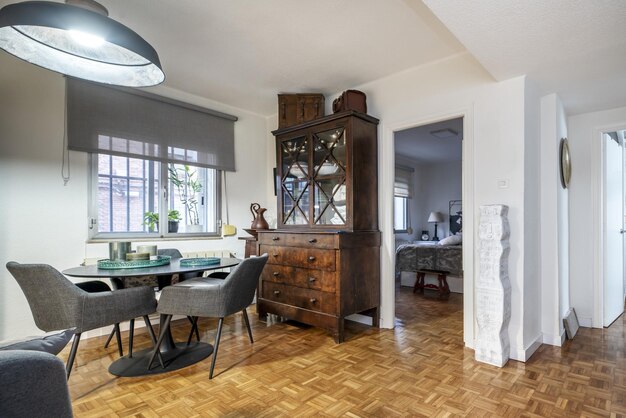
point(161, 260)
point(199, 262)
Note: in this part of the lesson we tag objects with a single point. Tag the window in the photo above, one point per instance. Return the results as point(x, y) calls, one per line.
point(400, 214)
point(402, 192)
point(128, 194)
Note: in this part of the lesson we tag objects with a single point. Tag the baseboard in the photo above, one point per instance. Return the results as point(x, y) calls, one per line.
point(523, 354)
point(555, 340)
point(585, 322)
point(361, 319)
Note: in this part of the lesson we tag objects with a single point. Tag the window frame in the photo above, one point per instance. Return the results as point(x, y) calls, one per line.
point(94, 235)
point(405, 221)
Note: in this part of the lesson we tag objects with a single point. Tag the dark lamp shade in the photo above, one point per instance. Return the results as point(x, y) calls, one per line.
point(78, 42)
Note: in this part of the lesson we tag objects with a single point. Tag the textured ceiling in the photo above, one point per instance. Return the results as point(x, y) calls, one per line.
point(244, 52)
point(419, 144)
point(576, 48)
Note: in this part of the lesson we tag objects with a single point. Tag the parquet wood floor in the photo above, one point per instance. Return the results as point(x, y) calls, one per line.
point(419, 369)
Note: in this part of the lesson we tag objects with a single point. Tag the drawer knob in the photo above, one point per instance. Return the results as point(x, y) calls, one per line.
point(277, 292)
point(312, 258)
point(275, 238)
point(312, 241)
point(312, 300)
point(312, 279)
point(276, 274)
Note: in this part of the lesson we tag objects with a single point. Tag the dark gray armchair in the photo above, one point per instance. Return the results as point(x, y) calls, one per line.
point(56, 303)
point(212, 298)
point(33, 385)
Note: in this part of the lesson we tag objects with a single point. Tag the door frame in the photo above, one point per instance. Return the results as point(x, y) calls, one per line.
point(597, 212)
point(386, 168)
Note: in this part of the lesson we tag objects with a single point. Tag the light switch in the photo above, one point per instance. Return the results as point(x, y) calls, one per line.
point(503, 183)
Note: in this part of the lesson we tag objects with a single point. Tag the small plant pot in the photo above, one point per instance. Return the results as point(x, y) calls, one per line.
point(172, 226)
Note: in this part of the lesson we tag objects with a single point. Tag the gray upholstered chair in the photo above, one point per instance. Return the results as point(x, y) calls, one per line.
point(33, 385)
point(56, 303)
point(207, 297)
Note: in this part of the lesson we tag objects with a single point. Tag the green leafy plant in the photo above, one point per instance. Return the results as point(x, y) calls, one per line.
point(186, 181)
point(173, 215)
point(152, 220)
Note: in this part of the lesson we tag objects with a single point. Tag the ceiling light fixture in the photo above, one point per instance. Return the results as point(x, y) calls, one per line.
point(444, 133)
point(78, 38)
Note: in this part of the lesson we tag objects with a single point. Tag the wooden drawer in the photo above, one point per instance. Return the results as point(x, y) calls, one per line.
point(300, 240)
point(325, 281)
point(313, 300)
point(300, 257)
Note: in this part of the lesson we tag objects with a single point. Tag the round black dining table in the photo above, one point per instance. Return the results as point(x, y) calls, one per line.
point(175, 355)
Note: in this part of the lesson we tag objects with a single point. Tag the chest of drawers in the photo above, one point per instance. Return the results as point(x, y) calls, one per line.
point(319, 278)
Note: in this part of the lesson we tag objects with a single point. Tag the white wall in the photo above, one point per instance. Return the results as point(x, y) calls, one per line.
point(46, 222)
point(438, 184)
point(584, 209)
point(494, 141)
point(554, 223)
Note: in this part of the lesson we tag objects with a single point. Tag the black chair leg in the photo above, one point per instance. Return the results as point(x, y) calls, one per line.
point(118, 337)
point(164, 328)
point(106, 344)
point(194, 329)
point(216, 346)
point(131, 335)
point(247, 321)
point(70, 360)
point(146, 319)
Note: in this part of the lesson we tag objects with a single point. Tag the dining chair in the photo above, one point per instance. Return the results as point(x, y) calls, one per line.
point(56, 303)
point(207, 297)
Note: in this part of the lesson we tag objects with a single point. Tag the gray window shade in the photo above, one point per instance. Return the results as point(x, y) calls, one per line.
point(125, 122)
point(403, 184)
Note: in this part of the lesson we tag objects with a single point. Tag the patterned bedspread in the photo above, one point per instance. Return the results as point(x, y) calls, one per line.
point(410, 257)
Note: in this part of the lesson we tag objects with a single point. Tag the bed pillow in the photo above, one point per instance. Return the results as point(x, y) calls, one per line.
point(452, 240)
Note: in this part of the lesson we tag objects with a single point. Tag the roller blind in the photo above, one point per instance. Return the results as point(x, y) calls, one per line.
point(403, 185)
point(133, 123)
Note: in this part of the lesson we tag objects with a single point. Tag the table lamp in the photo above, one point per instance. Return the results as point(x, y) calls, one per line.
point(435, 217)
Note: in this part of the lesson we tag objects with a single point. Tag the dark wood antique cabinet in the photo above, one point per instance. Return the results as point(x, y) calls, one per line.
point(324, 258)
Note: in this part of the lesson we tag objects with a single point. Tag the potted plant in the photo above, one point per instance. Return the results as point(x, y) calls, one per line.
point(152, 220)
point(188, 186)
point(173, 217)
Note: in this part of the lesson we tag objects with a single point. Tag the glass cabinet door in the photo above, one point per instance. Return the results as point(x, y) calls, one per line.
point(329, 177)
point(295, 181)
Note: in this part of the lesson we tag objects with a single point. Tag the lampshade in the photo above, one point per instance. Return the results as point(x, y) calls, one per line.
point(435, 217)
point(80, 40)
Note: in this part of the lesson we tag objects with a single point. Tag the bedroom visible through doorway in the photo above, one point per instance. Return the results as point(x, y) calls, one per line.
point(428, 218)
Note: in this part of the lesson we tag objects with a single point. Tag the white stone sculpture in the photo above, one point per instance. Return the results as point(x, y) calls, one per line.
point(493, 288)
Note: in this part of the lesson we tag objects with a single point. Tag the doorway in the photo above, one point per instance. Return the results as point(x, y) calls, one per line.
point(428, 220)
point(613, 226)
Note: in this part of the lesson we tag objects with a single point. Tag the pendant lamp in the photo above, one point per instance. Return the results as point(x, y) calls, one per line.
point(78, 38)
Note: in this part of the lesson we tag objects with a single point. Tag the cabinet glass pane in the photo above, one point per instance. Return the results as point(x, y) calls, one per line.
point(330, 201)
point(329, 177)
point(329, 153)
point(295, 181)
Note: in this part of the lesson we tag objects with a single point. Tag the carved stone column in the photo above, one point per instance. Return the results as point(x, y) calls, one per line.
point(493, 288)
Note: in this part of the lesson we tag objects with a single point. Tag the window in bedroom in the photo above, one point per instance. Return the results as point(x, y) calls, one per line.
point(402, 189)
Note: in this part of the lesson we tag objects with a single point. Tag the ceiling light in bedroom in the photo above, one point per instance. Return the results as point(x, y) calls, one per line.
point(78, 38)
point(444, 133)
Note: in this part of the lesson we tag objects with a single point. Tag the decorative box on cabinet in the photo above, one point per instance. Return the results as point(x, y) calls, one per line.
point(294, 109)
point(319, 278)
point(328, 168)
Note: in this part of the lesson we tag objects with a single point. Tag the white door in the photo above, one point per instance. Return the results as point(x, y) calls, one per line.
point(613, 228)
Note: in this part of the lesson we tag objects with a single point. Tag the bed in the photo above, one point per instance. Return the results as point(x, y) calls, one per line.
point(428, 255)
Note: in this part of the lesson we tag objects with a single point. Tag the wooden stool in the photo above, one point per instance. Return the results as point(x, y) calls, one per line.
point(443, 288)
